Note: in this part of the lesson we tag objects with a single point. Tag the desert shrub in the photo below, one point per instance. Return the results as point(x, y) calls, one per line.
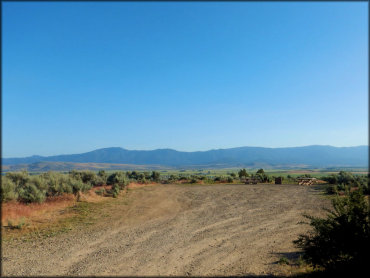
point(141, 178)
point(76, 175)
point(230, 179)
point(119, 178)
point(18, 178)
point(346, 179)
point(39, 182)
point(340, 241)
point(173, 178)
point(53, 183)
point(133, 175)
point(8, 190)
point(99, 181)
point(64, 185)
point(89, 177)
point(147, 175)
point(115, 190)
point(78, 186)
point(103, 176)
point(58, 184)
point(29, 193)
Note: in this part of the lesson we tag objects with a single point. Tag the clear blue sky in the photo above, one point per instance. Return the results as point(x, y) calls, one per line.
point(189, 76)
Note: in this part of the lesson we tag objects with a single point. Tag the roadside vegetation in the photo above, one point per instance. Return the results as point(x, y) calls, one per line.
point(338, 244)
point(346, 181)
point(27, 188)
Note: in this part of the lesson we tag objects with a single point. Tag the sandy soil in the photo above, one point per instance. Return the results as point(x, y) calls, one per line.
point(177, 230)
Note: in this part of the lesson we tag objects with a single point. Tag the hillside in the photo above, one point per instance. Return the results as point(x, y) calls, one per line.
point(309, 156)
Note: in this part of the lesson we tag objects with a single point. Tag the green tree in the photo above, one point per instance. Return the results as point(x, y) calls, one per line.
point(155, 176)
point(243, 173)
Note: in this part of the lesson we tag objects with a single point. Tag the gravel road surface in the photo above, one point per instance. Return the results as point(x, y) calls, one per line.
point(177, 230)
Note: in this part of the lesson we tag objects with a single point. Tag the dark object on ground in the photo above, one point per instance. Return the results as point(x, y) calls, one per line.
point(251, 181)
point(278, 180)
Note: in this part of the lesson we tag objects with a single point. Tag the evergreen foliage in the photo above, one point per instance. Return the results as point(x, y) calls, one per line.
point(341, 241)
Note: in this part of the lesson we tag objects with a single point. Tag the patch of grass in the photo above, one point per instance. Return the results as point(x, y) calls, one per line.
point(78, 216)
point(101, 191)
point(283, 261)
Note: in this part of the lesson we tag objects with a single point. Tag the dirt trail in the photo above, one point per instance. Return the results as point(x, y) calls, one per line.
point(177, 230)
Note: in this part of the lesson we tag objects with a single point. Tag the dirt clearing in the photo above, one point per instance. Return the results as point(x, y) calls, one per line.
point(177, 230)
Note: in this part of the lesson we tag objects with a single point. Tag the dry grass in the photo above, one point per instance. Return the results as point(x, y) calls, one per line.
point(51, 210)
point(138, 185)
point(14, 211)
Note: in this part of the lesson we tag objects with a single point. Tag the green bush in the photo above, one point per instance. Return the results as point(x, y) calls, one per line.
point(340, 241)
point(35, 188)
point(18, 178)
point(99, 181)
point(103, 176)
point(31, 194)
point(115, 190)
point(8, 190)
point(119, 178)
point(344, 178)
point(78, 186)
point(88, 177)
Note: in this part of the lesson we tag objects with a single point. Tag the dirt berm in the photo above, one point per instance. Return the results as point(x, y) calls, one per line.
point(177, 230)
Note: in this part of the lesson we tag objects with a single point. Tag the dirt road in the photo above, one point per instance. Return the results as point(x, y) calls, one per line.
point(177, 230)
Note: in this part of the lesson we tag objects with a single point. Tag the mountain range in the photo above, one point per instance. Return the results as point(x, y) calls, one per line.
point(315, 156)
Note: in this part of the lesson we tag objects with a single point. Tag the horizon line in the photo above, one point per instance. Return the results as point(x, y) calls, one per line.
point(315, 145)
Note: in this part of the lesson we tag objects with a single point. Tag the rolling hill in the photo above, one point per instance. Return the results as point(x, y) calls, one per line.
point(308, 156)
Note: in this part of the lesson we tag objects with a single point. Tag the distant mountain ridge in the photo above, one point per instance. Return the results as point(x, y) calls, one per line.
point(309, 156)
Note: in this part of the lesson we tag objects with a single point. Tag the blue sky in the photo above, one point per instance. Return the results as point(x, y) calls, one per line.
point(189, 76)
